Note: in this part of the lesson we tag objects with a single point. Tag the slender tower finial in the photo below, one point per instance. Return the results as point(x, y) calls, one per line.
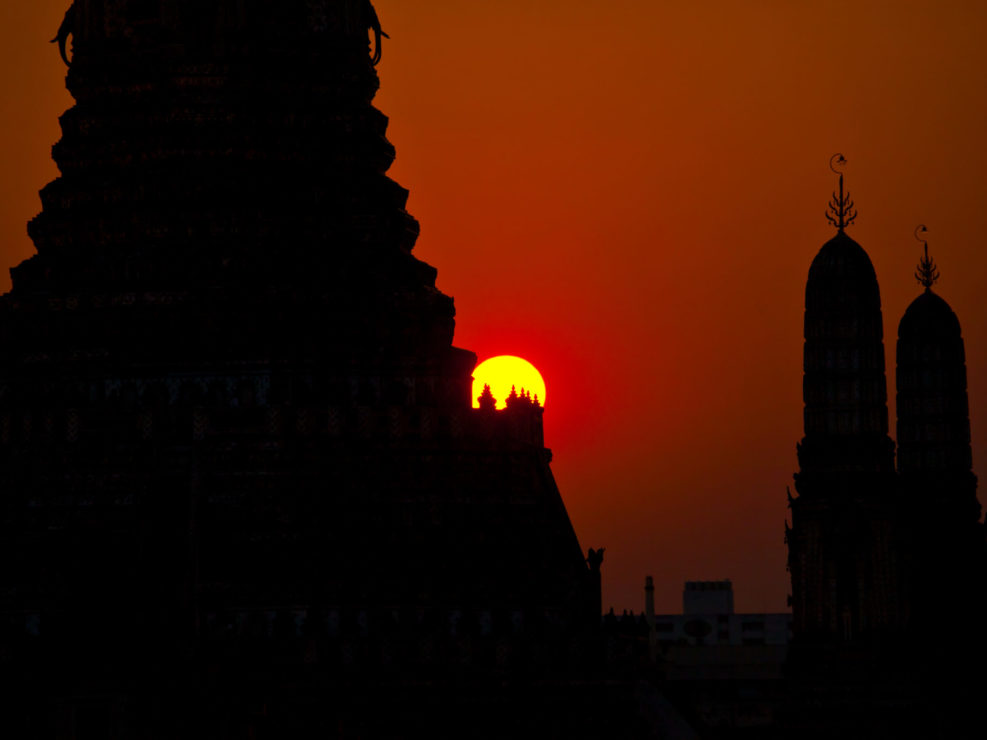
point(927, 273)
point(841, 212)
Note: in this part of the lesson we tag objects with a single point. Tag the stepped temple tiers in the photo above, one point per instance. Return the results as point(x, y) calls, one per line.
point(243, 492)
point(844, 580)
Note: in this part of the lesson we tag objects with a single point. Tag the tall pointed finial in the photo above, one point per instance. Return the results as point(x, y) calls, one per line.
point(927, 273)
point(841, 212)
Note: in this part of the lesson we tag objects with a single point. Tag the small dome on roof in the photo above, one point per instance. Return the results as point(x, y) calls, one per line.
point(929, 316)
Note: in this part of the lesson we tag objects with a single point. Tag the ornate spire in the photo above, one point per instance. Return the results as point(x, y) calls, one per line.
point(841, 212)
point(927, 273)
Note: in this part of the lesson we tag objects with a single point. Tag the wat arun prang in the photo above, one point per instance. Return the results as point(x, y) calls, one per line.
point(888, 563)
point(243, 492)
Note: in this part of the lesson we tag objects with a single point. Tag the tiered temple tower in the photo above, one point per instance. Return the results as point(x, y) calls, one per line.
point(935, 465)
point(888, 567)
point(847, 583)
point(242, 489)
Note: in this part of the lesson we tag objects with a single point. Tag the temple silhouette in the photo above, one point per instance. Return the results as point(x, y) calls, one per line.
point(888, 563)
point(243, 493)
point(887, 556)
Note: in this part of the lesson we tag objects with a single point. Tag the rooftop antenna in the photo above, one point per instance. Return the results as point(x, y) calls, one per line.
point(841, 212)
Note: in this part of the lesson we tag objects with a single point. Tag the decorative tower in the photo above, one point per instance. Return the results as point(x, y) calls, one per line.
point(935, 460)
point(242, 486)
point(846, 583)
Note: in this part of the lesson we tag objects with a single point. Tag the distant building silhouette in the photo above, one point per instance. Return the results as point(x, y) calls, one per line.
point(708, 618)
point(722, 671)
point(707, 597)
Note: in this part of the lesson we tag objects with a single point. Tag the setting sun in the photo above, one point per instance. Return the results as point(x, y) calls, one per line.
point(503, 373)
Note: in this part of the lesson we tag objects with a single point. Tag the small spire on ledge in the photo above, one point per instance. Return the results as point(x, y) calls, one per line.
point(841, 212)
point(927, 273)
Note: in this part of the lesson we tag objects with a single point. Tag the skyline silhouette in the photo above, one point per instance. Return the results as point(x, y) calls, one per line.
point(718, 211)
point(246, 493)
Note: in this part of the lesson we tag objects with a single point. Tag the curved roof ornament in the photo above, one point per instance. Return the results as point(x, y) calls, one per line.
point(64, 31)
point(841, 212)
point(373, 23)
point(927, 273)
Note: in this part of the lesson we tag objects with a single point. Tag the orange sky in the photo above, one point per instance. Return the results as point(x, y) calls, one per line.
point(648, 179)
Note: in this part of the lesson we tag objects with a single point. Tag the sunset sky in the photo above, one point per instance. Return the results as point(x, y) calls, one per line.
point(628, 193)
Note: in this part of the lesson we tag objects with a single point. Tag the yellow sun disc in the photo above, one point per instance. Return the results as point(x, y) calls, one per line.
point(503, 373)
